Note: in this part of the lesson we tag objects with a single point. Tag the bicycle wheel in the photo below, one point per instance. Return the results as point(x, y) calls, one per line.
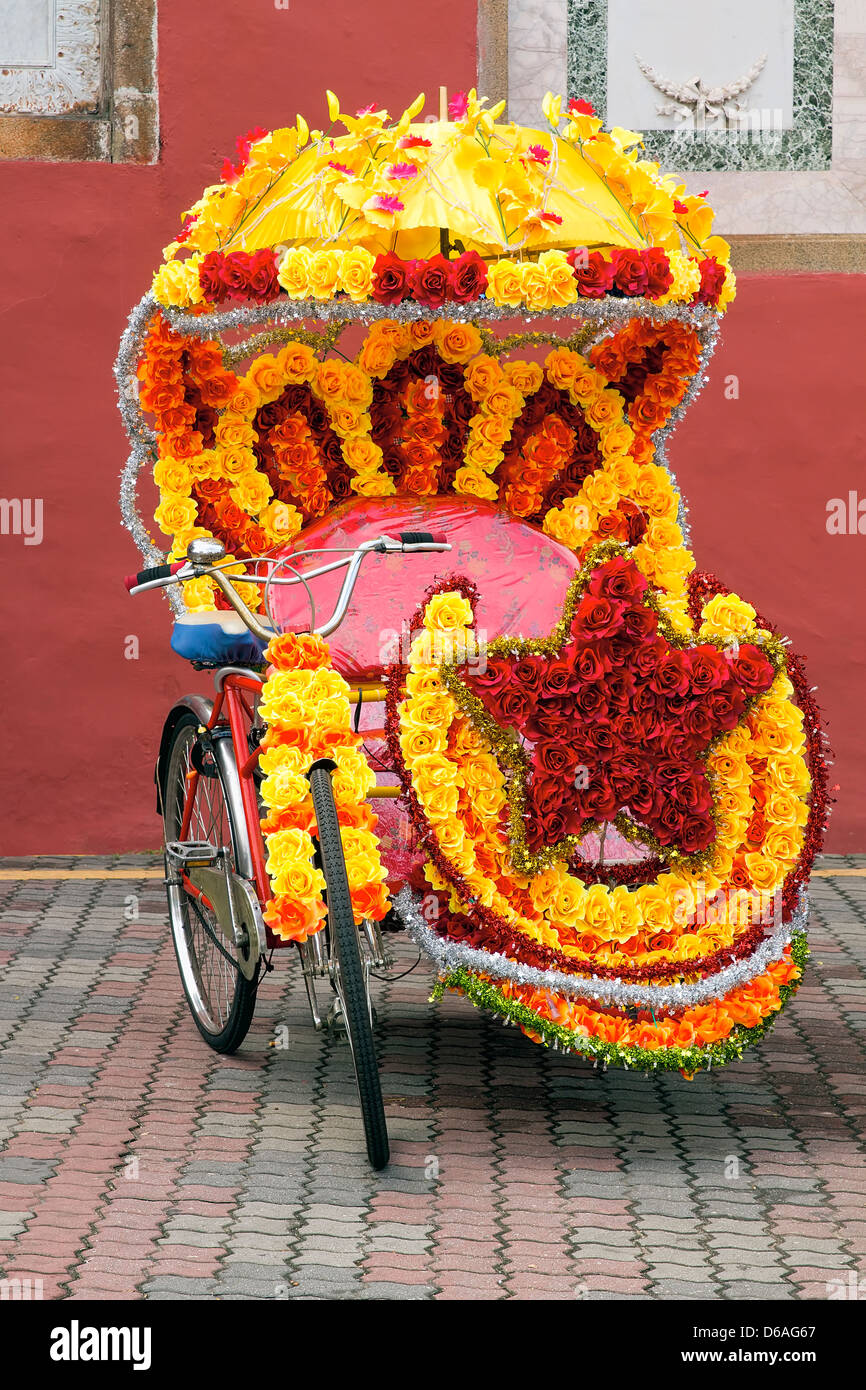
point(220, 997)
point(349, 978)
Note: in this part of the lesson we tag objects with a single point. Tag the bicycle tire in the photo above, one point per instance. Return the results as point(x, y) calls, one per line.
point(223, 1030)
point(352, 990)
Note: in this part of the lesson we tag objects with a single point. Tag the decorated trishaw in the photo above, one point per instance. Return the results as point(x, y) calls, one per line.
point(405, 388)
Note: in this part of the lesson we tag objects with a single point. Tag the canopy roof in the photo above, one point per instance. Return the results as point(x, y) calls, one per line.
point(398, 185)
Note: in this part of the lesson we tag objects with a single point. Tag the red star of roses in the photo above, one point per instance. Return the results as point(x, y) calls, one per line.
point(621, 719)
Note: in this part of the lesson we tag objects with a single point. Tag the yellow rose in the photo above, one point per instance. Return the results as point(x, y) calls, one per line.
point(330, 379)
point(361, 453)
point(472, 482)
point(356, 273)
point(604, 409)
point(440, 803)
point(616, 439)
point(236, 462)
point(457, 342)
point(281, 521)
point(267, 377)
point(448, 610)
point(536, 286)
point(487, 802)
point(323, 274)
point(198, 595)
point(481, 457)
point(294, 272)
point(598, 912)
point(283, 755)
point(297, 362)
point(252, 493)
point(482, 375)
point(569, 902)
point(687, 279)
point(434, 770)
point(562, 367)
point(504, 285)
point(525, 377)
point(622, 471)
point(177, 283)
point(175, 513)
point(601, 491)
point(562, 286)
point(764, 873)
point(357, 386)
point(418, 742)
point(783, 845)
point(172, 475)
point(726, 615)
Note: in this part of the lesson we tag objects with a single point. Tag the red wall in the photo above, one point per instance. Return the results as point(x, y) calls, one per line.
point(79, 243)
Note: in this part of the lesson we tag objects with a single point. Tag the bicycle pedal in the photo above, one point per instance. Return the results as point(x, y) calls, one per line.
point(192, 854)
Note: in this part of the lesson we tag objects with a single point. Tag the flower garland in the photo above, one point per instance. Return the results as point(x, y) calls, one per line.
point(305, 705)
point(644, 1053)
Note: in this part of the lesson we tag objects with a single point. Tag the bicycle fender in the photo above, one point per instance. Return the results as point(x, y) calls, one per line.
point(195, 704)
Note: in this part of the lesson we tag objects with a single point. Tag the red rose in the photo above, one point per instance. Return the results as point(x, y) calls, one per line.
point(554, 758)
point(556, 678)
point(390, 277)
point(712, 281)
point(753, 671)
point(590, 703)
point(671, 676)
point(545, 724)
point(594, 275)
point(640, 622)
point(430, 281)
point(659, 276)
point(597, 802)
point(620, 578)
point(262, 282)
point(629, 271)
point(725, 708)
point(527, 672)
point(696, 833)
point(708, 669)
point(512, 706)
point(467, 277)
point(235, 269)
point(597, 616)
point(210, 277)
point(548, 794)
point(494, 679)
point(648, 655)
point(587, 664)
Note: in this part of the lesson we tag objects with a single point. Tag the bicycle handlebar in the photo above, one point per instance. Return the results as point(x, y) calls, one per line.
point(406, 542)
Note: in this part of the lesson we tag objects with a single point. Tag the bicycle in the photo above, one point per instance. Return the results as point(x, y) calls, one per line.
point(207, 778)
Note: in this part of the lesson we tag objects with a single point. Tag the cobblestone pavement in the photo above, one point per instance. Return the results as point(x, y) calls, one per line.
point(134, 1163)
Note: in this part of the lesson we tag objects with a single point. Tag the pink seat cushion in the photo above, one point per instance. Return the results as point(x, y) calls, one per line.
point(522, 575)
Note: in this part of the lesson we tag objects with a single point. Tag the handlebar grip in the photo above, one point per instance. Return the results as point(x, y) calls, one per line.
point(147, 576)
point(423, 537)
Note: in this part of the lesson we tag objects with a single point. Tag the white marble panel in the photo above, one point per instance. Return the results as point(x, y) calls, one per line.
point(26, 33)
point(50, 56)
point(683, 41)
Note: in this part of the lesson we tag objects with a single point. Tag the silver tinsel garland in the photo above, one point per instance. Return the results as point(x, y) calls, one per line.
point(449, 955)
point(609, 313)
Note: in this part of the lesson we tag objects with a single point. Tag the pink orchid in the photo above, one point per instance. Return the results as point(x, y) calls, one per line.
point(401, 171)
point(458, 106)
point(341, 168)
point(539, 154)
point(579, 107)
point(386, 202)
point(413, 142)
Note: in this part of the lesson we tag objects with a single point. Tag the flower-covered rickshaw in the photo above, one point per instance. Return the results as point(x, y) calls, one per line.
point(407, 386)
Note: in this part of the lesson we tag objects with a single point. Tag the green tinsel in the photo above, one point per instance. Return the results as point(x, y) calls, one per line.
point(485, 995)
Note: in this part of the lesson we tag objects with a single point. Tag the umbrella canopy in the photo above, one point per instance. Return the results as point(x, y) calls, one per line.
point(490, 187)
